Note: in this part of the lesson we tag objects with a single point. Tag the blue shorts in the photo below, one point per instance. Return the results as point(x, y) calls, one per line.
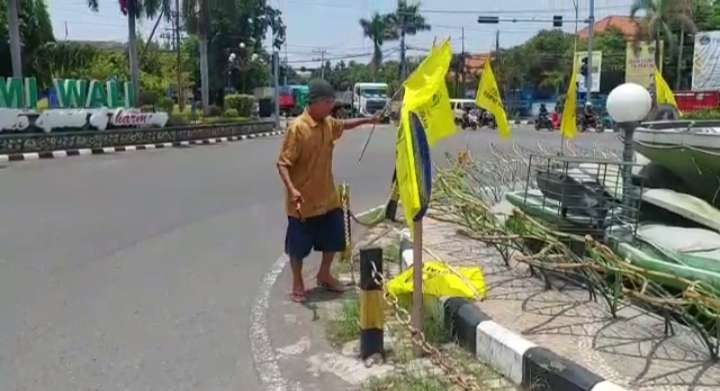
point(324, 233)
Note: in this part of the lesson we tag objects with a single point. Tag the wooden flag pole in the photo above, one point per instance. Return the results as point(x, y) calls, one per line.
point(417, 308)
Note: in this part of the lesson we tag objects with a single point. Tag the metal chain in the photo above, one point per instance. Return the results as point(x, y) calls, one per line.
point(418, 336)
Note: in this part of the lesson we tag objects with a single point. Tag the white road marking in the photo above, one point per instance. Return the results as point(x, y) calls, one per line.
point(263, 355)
point(59, 153)
point(84, 152)
point(31, 156)
point(149, 146)
point(131, 148)
point(109, 149)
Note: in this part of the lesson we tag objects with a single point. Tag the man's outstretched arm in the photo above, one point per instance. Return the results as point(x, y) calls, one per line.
point(354, 123)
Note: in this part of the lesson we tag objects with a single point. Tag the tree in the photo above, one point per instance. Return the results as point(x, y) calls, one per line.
point(225, 27)
point(660, 15)
point(378, 29)
point(408, 21)
point(135, 9)
point(34, 28)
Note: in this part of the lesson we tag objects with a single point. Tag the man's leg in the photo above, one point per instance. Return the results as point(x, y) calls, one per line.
point(298, 286)
point(324, 275)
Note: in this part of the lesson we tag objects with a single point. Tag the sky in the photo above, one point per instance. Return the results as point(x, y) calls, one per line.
point(332, 25)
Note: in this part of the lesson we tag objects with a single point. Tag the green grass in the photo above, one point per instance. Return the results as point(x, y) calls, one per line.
point(406, 381)
point(435, 331)
point(346, 326)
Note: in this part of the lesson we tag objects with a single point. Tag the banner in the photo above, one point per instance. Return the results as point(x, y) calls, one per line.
point(640, 63)
point(581, 64)
point(706, 61)
point(488, 97)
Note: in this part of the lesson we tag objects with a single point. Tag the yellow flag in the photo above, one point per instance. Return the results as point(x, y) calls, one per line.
point(488, 97)
point(426, 94)
point(663, 92)
point(568, 124)
point(425, 118)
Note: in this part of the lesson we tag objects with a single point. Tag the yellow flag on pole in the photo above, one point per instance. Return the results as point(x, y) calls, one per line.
point(664, 94)
point(568, 124)
point(488, 97)
point(425, 118)
point(426, 94)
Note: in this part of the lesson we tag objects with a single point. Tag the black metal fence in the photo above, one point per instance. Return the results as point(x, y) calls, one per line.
point(67, 140)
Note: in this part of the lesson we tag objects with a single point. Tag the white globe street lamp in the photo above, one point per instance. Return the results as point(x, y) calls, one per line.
point(628, 104)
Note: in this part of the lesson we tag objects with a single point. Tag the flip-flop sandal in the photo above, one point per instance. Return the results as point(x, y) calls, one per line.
point(298, 297)
point(331, 288)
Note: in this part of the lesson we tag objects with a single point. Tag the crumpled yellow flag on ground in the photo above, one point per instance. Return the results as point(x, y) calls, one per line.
point(441, 281)
point(488, 97)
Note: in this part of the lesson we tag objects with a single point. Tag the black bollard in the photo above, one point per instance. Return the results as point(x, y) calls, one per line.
point(371, 303)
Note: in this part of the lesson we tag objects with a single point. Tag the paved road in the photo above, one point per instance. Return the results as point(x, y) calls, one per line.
point(138, 270)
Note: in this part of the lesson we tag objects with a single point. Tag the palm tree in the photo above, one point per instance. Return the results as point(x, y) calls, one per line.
point(14, 34)
point(378, 29)
point(135, 9)
point(660, 16)
point(407, 21)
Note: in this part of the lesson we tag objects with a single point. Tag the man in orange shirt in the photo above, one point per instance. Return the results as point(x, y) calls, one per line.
point(315, 218)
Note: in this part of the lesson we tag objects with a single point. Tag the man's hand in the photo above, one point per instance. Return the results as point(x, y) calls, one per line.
point(296, 198)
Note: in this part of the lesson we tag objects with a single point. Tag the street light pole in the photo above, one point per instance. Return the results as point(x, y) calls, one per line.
point(588, 76)
point(276, 92)
point(14, 33)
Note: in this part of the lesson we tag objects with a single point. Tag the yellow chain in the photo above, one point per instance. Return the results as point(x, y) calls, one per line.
point(418, 337)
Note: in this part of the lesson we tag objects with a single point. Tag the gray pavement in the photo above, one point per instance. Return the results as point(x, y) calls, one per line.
point(138, 271)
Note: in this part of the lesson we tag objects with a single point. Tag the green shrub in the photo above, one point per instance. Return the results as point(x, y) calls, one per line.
point(147, 108)
point(149, 97)
point(166, 104)
point(179, 119)
point(243, 103)
point(214, 111)
point(703, 115)
point(230, 113)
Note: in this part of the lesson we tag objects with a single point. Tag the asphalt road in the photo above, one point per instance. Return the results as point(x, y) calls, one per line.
point(137, 271)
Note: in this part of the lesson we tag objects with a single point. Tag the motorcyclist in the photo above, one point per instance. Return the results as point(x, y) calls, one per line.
point(543, 110)
point(588, 111)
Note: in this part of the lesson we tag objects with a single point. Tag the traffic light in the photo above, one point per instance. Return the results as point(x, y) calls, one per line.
point(488, 19)
point(584, 66)
point(557, 20)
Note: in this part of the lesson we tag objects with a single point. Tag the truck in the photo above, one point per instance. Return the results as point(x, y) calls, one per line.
point(369, 98)
point(365, 99)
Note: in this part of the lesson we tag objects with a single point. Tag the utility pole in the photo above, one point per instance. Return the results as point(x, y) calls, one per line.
point(276, 81)
point(588, 77)
point(180, 88)
point(462, 62)
point(14, 33)
point(403, 48)
point(322, 61)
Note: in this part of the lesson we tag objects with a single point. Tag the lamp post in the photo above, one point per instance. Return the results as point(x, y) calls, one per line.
point(628, 104)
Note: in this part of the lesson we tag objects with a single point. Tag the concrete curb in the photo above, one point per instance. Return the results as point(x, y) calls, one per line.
point(513, 356)
point(127, 148)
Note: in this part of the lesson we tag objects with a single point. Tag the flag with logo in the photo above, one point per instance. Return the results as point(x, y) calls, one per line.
point(568, 124)
point(426, 94)
point(664, 94)
point(488, 97)
point(425, 118)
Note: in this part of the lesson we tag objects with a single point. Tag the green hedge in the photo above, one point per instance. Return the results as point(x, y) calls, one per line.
point(166, 104)
point(703, 114)
point(230, 113)
point(243, 103)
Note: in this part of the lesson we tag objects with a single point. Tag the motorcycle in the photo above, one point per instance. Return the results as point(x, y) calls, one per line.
point(487, 119)
point(591, 122)
point(469, 120)
point(543, 122)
